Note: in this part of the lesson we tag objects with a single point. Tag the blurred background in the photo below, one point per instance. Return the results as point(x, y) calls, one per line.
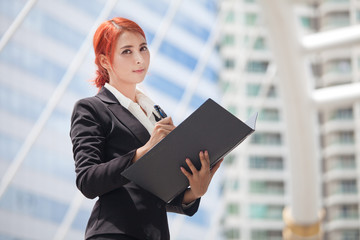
point(295, 62)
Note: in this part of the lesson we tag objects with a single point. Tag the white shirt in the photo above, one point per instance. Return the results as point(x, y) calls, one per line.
point(146, 118)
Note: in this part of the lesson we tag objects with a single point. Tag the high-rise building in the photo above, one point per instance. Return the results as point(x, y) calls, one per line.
point(46, 64)
point(257, 175)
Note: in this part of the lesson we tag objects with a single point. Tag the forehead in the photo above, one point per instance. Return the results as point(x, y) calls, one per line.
point(130, 38)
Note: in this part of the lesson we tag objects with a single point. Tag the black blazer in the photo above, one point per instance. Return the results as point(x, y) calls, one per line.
point(105, 136)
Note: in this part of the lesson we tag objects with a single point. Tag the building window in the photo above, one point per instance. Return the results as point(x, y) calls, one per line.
point(342, 138)
point(230, 17)
point(263, 211)
point(337, 19)
point(266, 139)
point(252, 89)
point(342, 114)
point(259, 43)
point(229, 159)
point(229, 63)
point(233, 209)
point(257, 66)
point(265, 162)
point(269, 114)
point(350, 234)
point(348, 211)
point(342, 162)
point(266, 235)
point(347, 187)
point(251, 19)
point(267, 187)
point(232, 233)
point(338, 66)
point(229, 40)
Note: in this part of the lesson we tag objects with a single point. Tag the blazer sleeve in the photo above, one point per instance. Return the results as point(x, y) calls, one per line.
point(176, 206)
point(95, 175)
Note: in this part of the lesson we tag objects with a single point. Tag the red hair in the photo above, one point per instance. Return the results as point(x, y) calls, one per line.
point(105, 39)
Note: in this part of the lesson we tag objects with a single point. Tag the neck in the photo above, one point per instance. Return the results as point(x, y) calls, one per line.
point(128, 90)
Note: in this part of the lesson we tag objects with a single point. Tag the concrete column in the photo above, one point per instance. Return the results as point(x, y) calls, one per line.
point(301, 217)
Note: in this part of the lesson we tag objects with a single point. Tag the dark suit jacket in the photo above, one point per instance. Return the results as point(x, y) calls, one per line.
point(105, 136)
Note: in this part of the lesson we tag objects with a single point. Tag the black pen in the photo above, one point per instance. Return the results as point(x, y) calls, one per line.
point(160, 111)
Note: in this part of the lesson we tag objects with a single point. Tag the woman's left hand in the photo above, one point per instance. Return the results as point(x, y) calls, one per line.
point(199, 179)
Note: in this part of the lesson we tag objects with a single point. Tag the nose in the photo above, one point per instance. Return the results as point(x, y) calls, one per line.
point(139, 59)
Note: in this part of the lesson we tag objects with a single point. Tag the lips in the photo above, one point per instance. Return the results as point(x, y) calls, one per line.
point(139, 70)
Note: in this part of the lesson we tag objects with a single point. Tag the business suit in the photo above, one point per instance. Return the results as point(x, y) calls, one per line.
point(105, 136)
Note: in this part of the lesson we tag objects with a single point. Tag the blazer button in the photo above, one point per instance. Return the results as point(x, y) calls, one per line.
point(159, 205)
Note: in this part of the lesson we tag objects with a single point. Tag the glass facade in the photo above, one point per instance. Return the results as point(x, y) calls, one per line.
point(33, 65)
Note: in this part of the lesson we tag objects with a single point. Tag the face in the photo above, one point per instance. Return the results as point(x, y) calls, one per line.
point(131, 60)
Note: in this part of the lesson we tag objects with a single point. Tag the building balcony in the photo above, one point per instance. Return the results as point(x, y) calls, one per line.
point(335, 78)
point(338, 224)
point(338, 149)
point(333, 6)
point(337, 199)
point(337, 125)
point(340, 174)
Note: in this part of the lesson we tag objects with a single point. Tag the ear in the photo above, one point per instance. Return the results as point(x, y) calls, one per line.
point(104, 61)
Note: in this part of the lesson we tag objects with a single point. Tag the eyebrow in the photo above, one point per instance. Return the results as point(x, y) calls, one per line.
point(130, 46)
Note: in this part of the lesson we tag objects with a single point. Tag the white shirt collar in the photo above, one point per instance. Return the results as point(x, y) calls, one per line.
point(124, 101)
point(143, 101)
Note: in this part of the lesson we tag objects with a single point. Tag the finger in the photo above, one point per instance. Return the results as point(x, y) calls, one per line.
point(186, 173)
point(164, 126)
point(204, 163)
point(167, 121)
point(191, 166)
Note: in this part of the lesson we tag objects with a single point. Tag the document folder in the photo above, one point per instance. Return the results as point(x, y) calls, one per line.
point(210, 127)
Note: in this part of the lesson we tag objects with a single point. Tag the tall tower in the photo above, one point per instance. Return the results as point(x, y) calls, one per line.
point(258, 177)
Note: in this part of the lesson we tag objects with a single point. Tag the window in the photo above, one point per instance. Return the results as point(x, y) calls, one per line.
point(350, 234)
point(229, 40)
point(342, 114)
point(257, 66)
point(338, 66)
point(347, 187)
point(260, 43)
point(233, 209)
point(342, 162)
point(337, 19)
point(269, 114)
point(265, 162)
point(18, 200)
point(266, 138)
point(230, 17)
point(251, 19)
point(348, 211)
point(229, 63)
point(262, 211)
point(266, 235)
point(252, 89)
point(232, 233)
point(267, 187)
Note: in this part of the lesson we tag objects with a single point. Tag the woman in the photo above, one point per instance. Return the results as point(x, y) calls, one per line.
point(112, 130)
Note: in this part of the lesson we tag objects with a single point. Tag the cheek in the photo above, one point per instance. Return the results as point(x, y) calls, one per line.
point(147, 59)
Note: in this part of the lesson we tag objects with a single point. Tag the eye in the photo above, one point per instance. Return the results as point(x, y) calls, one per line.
point(126, 51)
point(144, 48)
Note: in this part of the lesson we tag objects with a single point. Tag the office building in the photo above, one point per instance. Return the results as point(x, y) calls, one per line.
point(46, 64)
point(256, 186)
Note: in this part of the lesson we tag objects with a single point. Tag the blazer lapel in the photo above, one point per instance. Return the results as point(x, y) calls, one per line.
point(124, 116)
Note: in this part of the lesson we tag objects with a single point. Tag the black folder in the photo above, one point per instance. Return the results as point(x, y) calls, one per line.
point(210, 127)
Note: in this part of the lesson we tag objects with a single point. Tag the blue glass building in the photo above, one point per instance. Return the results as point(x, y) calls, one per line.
point(47, 65)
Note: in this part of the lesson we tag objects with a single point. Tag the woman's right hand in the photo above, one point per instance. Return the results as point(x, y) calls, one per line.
point(162, 129)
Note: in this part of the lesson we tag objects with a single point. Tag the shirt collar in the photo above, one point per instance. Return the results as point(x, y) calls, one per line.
point(144, 101)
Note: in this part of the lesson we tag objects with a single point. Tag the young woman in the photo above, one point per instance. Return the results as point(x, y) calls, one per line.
point(112, 130)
